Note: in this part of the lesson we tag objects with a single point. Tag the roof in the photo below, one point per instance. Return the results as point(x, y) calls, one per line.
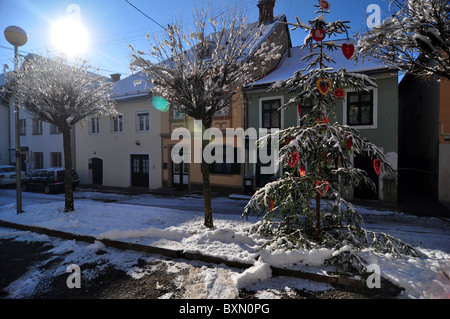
point(138, 85)
point(133, 86)
point(291, 64)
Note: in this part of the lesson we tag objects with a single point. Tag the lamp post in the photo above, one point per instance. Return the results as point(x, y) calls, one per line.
point(17, 37)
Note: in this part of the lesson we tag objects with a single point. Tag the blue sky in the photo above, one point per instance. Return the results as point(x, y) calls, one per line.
point(113, 24)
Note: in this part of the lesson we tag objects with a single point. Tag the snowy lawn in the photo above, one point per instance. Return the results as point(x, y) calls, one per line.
point(424, 277)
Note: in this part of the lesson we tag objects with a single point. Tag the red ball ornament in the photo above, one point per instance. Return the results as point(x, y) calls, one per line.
point(323, 4)
point(339, 94)
point(318, 34)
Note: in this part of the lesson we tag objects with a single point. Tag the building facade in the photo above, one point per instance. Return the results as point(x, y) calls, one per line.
point(226, 176)
point(425, 136)
point(124, 151)
point(381, 127)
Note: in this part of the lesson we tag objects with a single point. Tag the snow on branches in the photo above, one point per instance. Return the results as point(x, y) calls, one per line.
point(416, 39)
point(60, 93)
point(198, 71)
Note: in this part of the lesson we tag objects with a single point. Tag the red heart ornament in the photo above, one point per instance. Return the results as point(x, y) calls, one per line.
point(322, 187)
point(348, 50)
point(377, 165)
point(318, 34)
point(324, 86)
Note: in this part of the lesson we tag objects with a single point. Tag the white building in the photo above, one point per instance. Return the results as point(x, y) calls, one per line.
point(41, 144)
point(124, 151)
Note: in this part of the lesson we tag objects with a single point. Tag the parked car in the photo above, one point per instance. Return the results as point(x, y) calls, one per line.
point(48, 180)
point(8, 174)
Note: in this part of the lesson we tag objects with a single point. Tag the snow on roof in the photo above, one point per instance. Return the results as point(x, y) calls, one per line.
point(290, 64)
point(135, 85)
point(138, 84)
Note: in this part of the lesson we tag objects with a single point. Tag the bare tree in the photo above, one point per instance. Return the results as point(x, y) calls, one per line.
point(416, 39)
point(198, 71)
point(62, 94)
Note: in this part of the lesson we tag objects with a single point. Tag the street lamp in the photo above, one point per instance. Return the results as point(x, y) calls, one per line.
point(17, 37)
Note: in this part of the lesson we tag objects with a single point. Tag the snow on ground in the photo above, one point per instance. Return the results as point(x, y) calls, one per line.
point(178, 229)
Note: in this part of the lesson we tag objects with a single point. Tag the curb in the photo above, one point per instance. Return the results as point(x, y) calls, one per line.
point(387, 290)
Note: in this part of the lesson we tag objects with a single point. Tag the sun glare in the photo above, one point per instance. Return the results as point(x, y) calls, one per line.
point(69, 37)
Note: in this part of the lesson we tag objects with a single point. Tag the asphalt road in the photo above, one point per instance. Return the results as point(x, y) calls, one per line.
point(221, 205)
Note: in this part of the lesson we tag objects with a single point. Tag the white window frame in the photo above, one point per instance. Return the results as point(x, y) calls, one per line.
point(54, 129)
point(36, 126)
point(375, 111)
point(94, 127)
point(138, 115)
point(119, 121)
point(269, 98)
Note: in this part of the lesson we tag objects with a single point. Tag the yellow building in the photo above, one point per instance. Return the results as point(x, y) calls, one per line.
point(225, 177)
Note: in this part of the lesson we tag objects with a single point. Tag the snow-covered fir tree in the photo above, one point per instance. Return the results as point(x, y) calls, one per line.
point(305, 206)
point(415, 39)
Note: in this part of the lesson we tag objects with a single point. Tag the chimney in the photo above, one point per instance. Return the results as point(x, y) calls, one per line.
point(266, 11)
point(115, 77)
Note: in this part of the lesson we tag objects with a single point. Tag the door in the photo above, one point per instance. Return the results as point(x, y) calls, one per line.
point(140, 171)
point(180, 174)
point(366, 164)
point(97, 171)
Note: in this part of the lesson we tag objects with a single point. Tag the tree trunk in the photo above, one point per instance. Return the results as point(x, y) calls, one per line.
point(317, 228)
point(206, 189)
point(68, 179)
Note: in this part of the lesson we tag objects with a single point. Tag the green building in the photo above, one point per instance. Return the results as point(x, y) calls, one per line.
point(374, 114)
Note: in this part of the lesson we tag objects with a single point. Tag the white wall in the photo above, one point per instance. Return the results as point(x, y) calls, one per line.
point(45, 143)
point(115, 149)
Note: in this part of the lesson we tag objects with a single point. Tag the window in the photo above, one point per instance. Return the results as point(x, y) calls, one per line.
point(94, 125)
point(225, 111)
point(37, 127)
point(226, 168)
point(38, 160)
point(54, 129)
point(117, 124)
point(178, 115)
point(143, 122)
point(271, 115)
point(23, 127)
point(56, 159)
point(360, 108)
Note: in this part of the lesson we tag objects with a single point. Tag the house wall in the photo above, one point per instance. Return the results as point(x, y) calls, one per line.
point(384, 134)
point(45, 143)
point(115, 149)
point(227, 182)
point(444, 142)
point(419, 134)
point(232, 182)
